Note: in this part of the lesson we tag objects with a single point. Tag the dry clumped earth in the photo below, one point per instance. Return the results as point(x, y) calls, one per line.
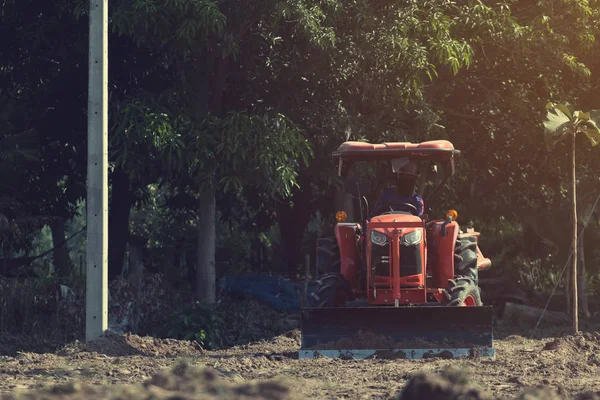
point(133, 367)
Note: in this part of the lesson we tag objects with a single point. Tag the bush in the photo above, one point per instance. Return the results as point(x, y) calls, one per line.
point(47, 310)
point(42, 307)
point(229, 323)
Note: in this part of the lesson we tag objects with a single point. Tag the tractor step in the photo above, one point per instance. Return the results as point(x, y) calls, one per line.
point(397, 332)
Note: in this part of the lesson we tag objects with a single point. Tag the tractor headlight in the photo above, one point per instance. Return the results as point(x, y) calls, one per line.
point(413, 238)
point(378, 238)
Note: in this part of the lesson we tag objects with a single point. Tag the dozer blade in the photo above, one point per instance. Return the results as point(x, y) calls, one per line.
point(397, 332)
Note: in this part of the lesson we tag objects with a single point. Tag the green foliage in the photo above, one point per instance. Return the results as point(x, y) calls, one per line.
point(185, 136)
point(145, 132)
point(533, 274)
point(18, 151)
point(262, 151)
point(19, 147)
point(196, 322)
point(42, 244)
point(562, 119)
point(252, 97)
point(42, 115)
point(231, 322)
point(471, 72)
point(523, 55)
point(171, 25)
point(163, 225)
point(165, 220)
point(557, 123)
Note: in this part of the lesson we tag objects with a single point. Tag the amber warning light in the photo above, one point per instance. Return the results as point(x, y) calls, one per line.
point(453, 214)
point(341, 216)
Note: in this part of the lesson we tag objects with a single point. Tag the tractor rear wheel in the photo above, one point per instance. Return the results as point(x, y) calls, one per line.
point(328, 256)
point(330, 290)
point(463, 292)
point(465, 257)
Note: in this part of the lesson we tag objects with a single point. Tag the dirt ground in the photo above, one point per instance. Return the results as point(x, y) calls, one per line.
point(129, 366)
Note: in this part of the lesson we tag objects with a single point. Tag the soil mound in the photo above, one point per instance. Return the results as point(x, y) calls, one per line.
point(11, 345)
point(453, 384)
point(547, 393)
point(182, 382)
point(114, 345)
point(579, 353)
point(542, 393)
point(448, 385)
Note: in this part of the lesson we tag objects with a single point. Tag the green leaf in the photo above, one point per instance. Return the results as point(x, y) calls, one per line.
point(590, 127)
point(595, 117)
point(565, 108)
point(556, 125)
point(592, 133)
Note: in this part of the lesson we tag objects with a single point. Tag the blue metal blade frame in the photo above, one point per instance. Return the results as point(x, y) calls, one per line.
point(401, 354)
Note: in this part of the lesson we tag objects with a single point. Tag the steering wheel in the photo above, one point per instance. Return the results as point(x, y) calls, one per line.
point(413, 209)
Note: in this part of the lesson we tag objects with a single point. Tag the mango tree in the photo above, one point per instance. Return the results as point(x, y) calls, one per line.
point(264, 152)
point(518, 49)
point(564, 123)
point(203, 127)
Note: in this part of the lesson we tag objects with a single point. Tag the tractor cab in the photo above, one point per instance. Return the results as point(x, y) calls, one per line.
point(407, 275)
point(393, 187)
point(378, 177)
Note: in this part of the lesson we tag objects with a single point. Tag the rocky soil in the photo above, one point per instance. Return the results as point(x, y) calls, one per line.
point(133, 367)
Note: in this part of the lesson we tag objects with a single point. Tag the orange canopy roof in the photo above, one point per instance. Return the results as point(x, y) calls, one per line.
point(434, 149)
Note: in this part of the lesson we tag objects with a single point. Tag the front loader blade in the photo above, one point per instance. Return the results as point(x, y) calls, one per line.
point(397, 332)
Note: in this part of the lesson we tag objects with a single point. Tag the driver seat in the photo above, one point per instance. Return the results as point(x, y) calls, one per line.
point(390, 196)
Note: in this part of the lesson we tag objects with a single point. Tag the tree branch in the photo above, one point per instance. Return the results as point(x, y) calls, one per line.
point(55, 247)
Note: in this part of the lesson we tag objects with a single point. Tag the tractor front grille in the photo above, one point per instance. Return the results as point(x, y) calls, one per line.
point(410, 260)
point(380, 259)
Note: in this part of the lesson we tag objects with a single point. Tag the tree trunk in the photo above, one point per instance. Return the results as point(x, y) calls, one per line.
point(582, 278)
point(574, 227)
point(118, 222)
point(568, 291)
point(191, 257)
point(135, 272)
point(205, 272)
point(62, 260)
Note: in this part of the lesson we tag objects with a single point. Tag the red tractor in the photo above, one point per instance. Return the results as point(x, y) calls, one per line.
point(395, 282)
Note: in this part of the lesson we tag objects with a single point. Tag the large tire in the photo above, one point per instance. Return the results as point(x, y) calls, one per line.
point(465, 258)
point(328, 256)
point(463, 291)
point(331, 290)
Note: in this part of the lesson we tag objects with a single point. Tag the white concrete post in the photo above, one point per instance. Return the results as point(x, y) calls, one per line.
point(96, 298)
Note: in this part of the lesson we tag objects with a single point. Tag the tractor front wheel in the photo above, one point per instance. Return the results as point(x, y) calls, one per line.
point(330, 290)
point(328, 256)
point(463, 292)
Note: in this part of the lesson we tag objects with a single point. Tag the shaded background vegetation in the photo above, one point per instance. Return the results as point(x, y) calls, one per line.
point(229, 110)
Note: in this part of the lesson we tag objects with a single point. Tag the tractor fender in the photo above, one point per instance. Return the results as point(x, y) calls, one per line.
point(440, 249)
